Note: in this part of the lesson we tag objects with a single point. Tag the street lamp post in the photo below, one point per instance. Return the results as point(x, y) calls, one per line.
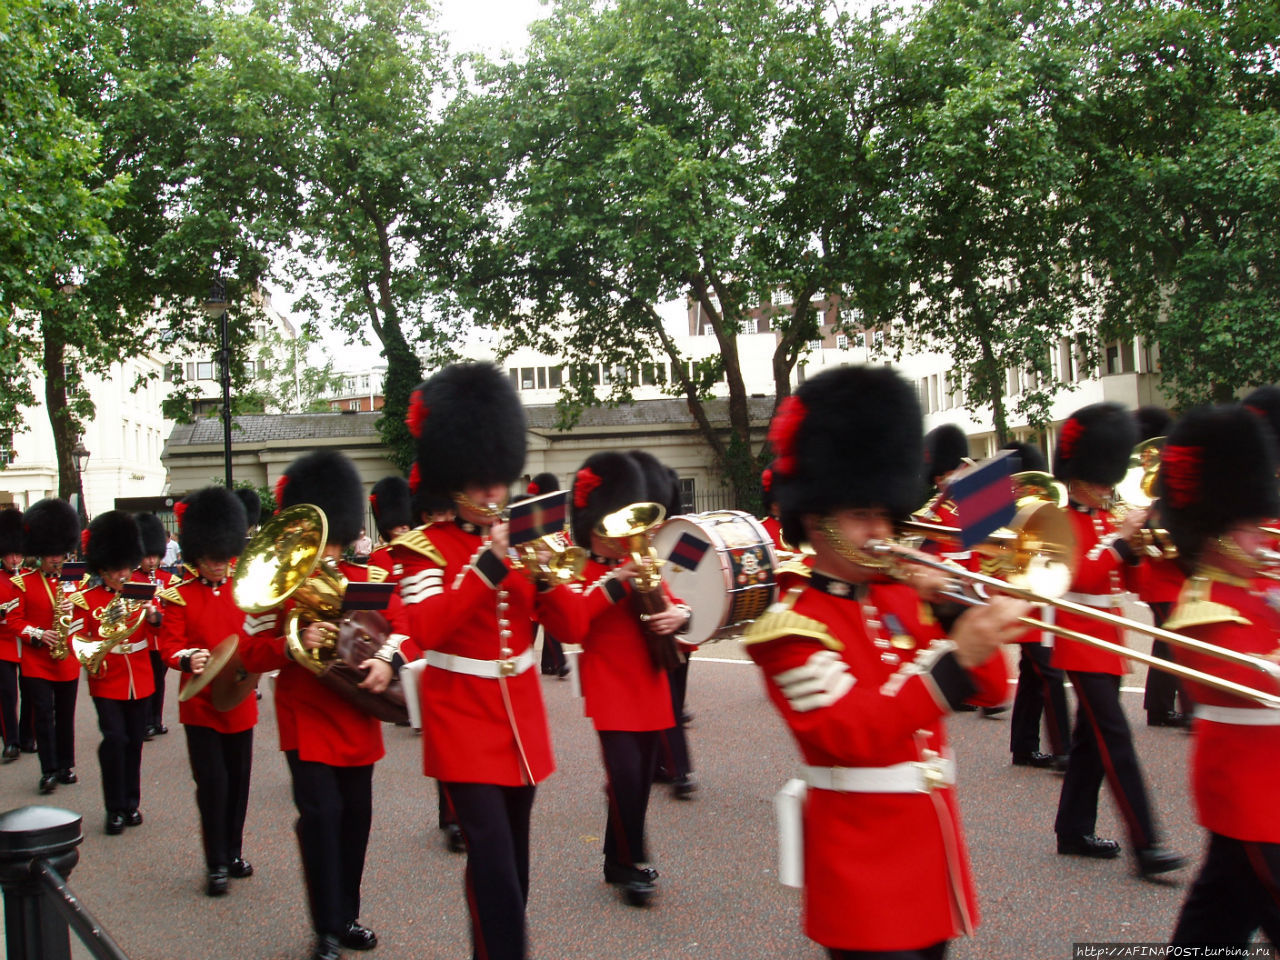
point(81, 456)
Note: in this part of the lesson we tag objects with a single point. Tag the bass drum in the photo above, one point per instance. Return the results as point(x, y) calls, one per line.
point(733, 582)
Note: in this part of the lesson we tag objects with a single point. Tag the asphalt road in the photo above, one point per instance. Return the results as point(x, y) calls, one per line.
point(719, 896)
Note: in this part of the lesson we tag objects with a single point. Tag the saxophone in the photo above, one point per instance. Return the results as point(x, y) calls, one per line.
point(61, 646)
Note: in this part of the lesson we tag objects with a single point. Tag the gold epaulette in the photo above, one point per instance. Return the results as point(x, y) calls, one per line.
point(19, 582)
point(780, 620)
point(1194, 610)
point(171, 594)
point(376, 574)
point(78, 600)
point(795, 567)
point(417, 541)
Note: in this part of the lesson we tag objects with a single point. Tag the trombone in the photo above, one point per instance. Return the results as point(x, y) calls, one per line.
point(894, 555)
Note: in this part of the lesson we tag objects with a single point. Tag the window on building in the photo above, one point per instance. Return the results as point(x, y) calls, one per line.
point(648, 377)
point(842, 341)
point(815, 344)
point(542, 378)
point(353, 405)
point(526, 378)
point(204, 370)
point(877, 340)
point(7, 454)
point(555, 377)
point(514, 374)
point(687, 495)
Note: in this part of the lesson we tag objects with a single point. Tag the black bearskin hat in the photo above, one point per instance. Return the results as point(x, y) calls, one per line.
point(661, 482)
point(543, 483)
point(211, 525)
point(1264, 402)
point(1094, 444)
point(113, 542)
point(849, 437)
point(152, 532)
point(392, 505)
point(1217, 468)
point(50, 527)
point(252, 504)
point(606, 482)
point(10, 531)
point(470, 428)
point(329, 480)
point(1030, 457)
point(1152, 422)
point(945, 448)
point(430, 504)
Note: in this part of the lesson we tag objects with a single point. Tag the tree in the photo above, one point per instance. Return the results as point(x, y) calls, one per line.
point(651, 150)
point(284, 381)
point(362, 79)
point(1183, 193)
point(977, 253)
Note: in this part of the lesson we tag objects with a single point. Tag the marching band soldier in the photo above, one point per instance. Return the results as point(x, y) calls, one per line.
point(946, 449)
point(1041, 689)
point(200, 613)
point(675, 766)
point(484, 735)
point(122, 686)
point(1217, 482)
point(252, 504)
point(50, 530)
point(862, 674)
point(770, 521)
point(1091, 457)
point(627, 696)
point(330, 745)
point(554, 663)
point(10, 643)
point(392, 505)
point(153, 544)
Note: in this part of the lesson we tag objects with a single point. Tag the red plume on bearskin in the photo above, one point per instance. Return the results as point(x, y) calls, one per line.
point(417, 415)
point(1095, 443)
point(281, 484)
point(584, 482)
point(1180, 469)
point(84, 540)
point(782, 432)
point(179, 511)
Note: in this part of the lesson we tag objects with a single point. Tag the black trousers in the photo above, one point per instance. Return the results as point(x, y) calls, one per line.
point(155, 703)
point(1236, 892)
point(1041, 691)
point(9, 702)
point(53, 708)
point(1163, 690)
point(495, 823)
point(1102, 746)
point(122, 723)
point(335, 810)
point(26, 716)
point(220, 765)
point(936, 952)
point(553, 658)
point(674, 759)
point(629, 758)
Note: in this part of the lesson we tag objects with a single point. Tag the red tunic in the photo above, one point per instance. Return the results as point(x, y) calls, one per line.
point(883, 871)
point(34, 615)
point(1102, 573)
point(1158, 580)
point(621, 688)
point(161, 579)
point(321, 725)
point(1235, 767)
point(126, 672)
point(10, 600)
point(480, 729)
point(199, 615)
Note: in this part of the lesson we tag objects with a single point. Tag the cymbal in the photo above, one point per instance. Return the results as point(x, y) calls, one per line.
point(218, 658)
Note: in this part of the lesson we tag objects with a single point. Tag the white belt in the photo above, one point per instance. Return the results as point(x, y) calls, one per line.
point(1098, 599)
point(914, 776)
point(1241, 716)
point(490, 669)
point(137, 647)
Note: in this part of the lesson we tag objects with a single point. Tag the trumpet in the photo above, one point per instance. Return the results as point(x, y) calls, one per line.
point(891, 556)
point(565, 565)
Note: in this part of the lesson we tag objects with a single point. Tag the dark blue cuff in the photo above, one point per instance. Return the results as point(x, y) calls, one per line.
point(953, 680)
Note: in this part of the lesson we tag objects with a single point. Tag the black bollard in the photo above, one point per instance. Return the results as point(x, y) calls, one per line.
point(35, 928)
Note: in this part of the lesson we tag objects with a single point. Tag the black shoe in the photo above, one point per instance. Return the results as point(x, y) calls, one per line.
point(1060, 762)
point(149, 733)
point(1088, 846)
point(637, 884)
point(1153, 860)
point(994, 711)
point(326, 948)
point(358, 937)
point(1171, 719)
point(67, 775)
point(240, 868)
point(48, 783)
point(216, 884)
point(29, 748)
point(663, 776)
point(454, 841)
point(1033, 759)
point(161, 729)
point(11, 753)
point(686, 718)
point(563, 672)
point(966, 708)
point(683, 787)
point(133, 818)
point(115, 823)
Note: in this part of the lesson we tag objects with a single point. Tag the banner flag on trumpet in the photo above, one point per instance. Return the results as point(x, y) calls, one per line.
point(984, 498)
point(537, 517)
point(367, 596)
point(688, 551)
point(73, 571)
point(138, 591)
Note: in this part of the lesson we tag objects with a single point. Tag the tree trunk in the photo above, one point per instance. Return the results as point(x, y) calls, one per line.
point(994, 375)
point(65, 429)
